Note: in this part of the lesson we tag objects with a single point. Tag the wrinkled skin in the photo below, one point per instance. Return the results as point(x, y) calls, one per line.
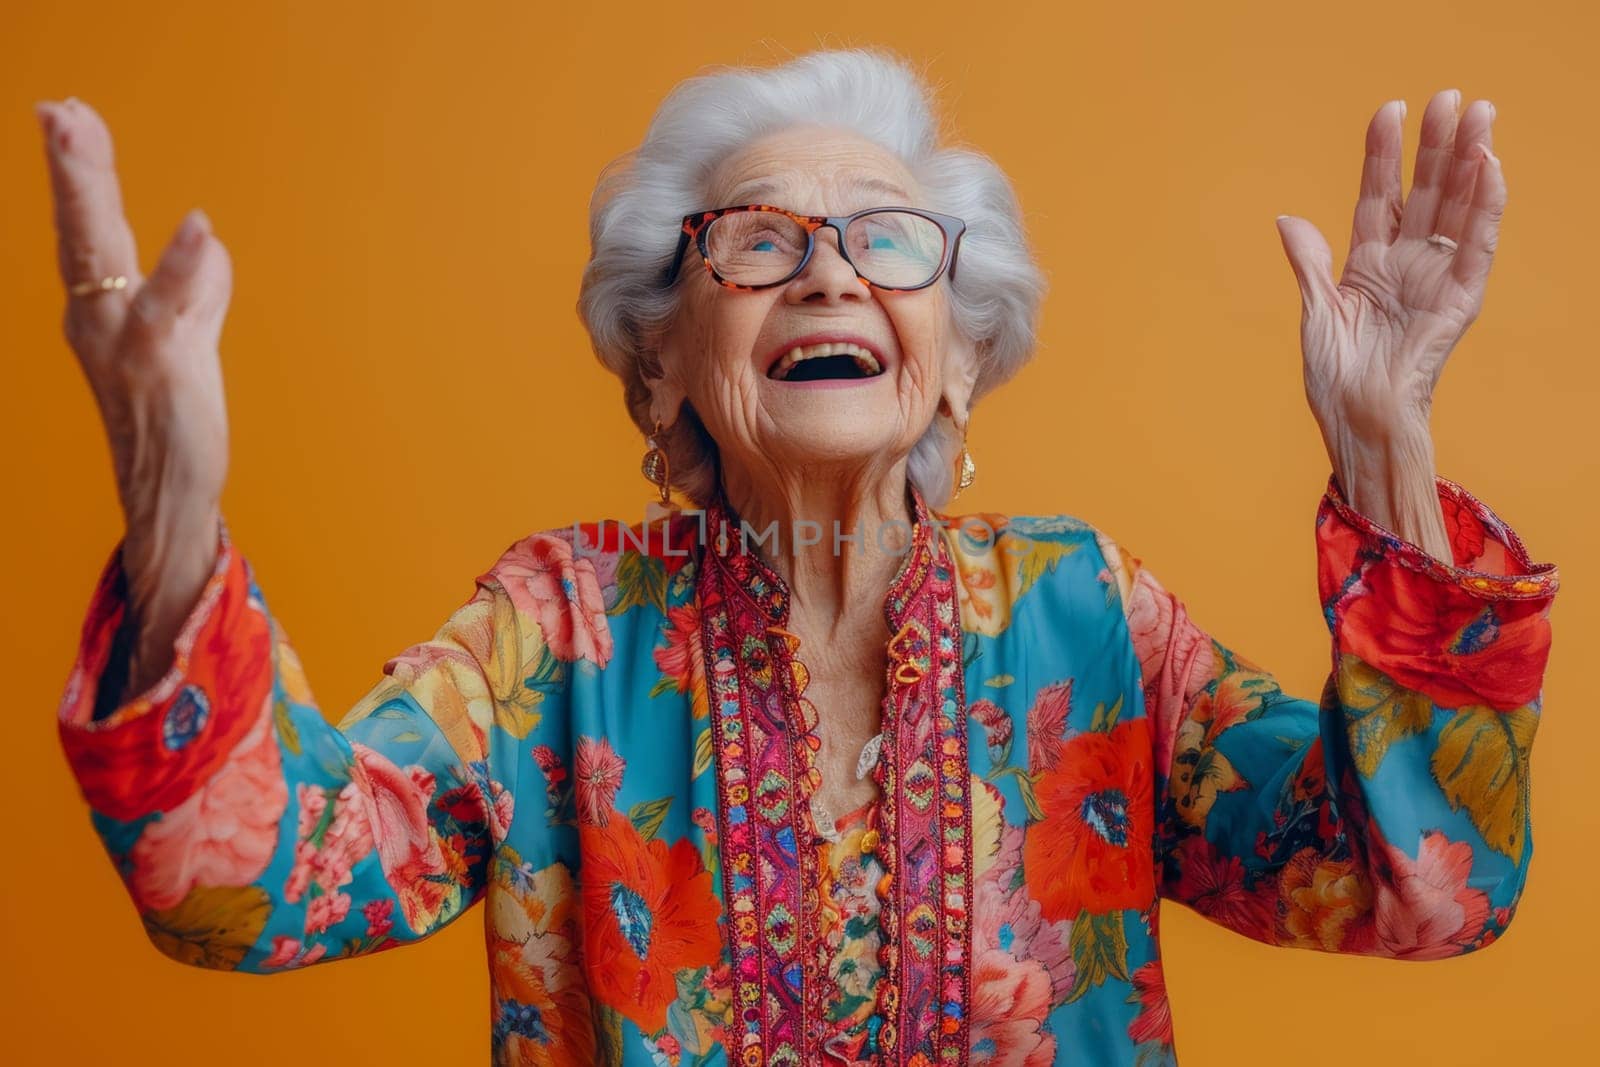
point(1375, 343)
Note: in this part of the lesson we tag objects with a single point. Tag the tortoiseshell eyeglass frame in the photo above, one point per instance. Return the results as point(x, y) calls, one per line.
point(694, 229)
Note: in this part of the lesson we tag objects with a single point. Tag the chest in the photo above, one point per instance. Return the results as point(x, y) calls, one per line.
point(714, 914)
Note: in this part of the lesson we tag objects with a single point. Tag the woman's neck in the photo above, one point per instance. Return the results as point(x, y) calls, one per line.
point(836, 538)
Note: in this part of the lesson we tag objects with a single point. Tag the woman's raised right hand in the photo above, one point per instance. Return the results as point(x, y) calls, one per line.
point(149, 352)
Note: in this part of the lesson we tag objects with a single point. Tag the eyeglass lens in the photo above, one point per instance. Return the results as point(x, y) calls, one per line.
point(890, 249)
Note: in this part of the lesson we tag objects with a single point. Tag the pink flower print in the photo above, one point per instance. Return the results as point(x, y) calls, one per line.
point(1175, 657)
point(1423, 909)
point(326, 910)
point(406, 846)
point(1010, 920)
point(345, 840)
point(1010, 999)
point(1047, 721)
point(599, 776)
point(561, 594)
point(224, 833)
point(288, 952)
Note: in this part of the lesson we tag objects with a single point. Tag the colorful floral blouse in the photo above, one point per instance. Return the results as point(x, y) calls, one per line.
point(610, 745)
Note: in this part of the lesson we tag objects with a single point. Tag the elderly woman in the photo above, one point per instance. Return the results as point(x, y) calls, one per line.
point(812, 770)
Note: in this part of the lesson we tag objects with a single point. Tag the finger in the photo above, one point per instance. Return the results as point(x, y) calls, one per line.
point(1378, 205)
point(1473, 131)
point(1311, 259)
point(1434, 152)
point(93, 238)
point(1476, 252)
point(182, 284)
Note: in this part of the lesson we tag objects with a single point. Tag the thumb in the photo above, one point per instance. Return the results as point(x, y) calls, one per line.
point(1310, 258)
point(180, 280)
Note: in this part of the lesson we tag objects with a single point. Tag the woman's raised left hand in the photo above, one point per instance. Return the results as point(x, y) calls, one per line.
point(1376, 341)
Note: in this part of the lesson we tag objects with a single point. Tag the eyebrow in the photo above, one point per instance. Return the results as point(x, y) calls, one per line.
point(762, 190)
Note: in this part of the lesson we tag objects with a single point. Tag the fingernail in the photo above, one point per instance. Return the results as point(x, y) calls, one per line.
point(1492, 112)
point(44, 111)
point(195, 226)
point(1280, 218)
point(1455, 99)
point(1402, 104)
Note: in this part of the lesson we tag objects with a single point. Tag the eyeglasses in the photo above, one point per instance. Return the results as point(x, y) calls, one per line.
point(757, 246)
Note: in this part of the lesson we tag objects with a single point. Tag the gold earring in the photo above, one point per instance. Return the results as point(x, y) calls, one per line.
point(655, 467)
point(966, 469)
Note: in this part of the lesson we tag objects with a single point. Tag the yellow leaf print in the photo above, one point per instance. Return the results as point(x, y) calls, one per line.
point(1482, 765)
point(211, 927)
point(1199, 773)
point(1379, 712)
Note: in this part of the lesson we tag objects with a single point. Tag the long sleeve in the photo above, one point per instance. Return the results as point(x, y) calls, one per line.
point(253, 835)
point(1389, 817)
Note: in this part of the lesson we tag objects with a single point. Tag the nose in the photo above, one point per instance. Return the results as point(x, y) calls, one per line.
point(827, 277)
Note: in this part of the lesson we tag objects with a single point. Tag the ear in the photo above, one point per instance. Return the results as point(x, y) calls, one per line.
point(960, 377)
point(666, 389)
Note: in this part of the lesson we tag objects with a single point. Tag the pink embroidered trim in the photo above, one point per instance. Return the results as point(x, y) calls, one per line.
point(765, 740)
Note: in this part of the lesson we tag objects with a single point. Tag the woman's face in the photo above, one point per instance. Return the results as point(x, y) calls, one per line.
point(725, 353)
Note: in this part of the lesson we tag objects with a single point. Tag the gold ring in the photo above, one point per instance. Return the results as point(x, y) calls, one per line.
point(104, 285)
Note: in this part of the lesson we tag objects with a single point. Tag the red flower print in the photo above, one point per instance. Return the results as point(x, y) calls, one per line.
point(377, 914)
point(1092, 850)
point(1047, 719)
point(1438, 639)
point(599, 777)
point(562, 594)
point(1154, 1021)
point(550, 764)
point(681, 659)
point(152, 756)
point(540, 1013)
point(994, 720)
point(1213, 884)
point(649, 911)
point(465, 805)
point(1464, 529)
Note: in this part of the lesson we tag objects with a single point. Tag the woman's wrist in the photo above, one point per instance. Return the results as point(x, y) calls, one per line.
point(166, 563)
point(1394, 484)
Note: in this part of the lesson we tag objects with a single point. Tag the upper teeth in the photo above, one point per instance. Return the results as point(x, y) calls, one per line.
point(863, 357)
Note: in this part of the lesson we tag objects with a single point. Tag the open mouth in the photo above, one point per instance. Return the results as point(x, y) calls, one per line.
point(830, 361)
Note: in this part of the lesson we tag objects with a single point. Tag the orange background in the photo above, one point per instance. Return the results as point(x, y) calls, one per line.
point(404, 193)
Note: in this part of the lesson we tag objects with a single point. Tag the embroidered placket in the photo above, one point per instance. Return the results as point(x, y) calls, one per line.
point(765, 742)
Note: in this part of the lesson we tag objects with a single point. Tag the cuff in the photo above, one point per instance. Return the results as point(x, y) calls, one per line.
point(156, 747)
point(1490, 559)
point(1475, 633)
